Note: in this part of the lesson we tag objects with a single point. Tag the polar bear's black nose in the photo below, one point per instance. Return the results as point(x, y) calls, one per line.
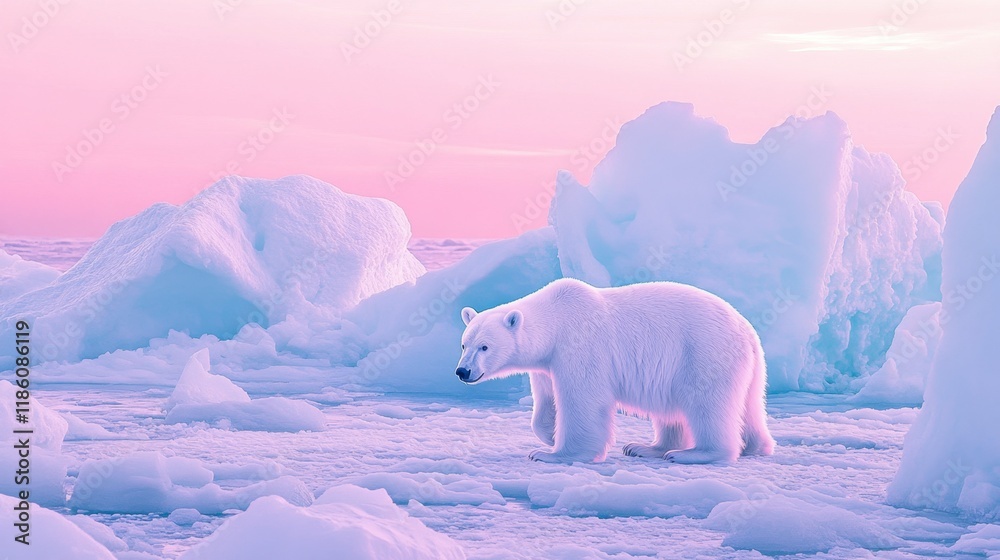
point(463, 373)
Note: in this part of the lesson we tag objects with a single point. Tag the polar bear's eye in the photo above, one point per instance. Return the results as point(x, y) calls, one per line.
point(484, 348)
point(463, 347)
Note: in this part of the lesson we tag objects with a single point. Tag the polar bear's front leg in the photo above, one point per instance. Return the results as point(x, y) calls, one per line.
point(585, 419)
point(543, 416)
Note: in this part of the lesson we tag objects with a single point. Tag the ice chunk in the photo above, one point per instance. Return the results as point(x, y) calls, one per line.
point(950, 455)
point(48, 464)
point(52, 536)
point(201, 396)
point(152, 483)
point(813, 239)
point(198, 386)
point(269, 414)
point(901, 378)
point(348, 522)
point(431, 489)
point(780, 525)
point(80, 429)
point(184, 517)
point(18, 276)
point(585, 494)
point(394, 411)
point(100, 532)
point(981, 540)
point(242, 251)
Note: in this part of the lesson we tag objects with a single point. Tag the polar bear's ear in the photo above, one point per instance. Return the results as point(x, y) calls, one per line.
point(468, 314)
point(513, 319)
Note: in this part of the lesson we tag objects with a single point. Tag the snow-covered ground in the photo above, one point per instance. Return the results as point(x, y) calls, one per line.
point(462, 469)
point(459, 465)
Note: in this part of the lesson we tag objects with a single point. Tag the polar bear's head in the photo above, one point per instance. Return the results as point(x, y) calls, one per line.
point(490, 344)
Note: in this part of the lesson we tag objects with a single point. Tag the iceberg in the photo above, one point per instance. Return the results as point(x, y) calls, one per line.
point(242, 251)
point(201, 396)
point(951, 453)
point(19, 276)
point(812, 238)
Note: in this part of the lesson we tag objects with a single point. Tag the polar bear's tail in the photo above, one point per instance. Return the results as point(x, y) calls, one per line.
point(757, 438)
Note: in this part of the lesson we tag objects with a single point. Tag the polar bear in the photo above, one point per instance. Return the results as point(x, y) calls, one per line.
point(676, 354)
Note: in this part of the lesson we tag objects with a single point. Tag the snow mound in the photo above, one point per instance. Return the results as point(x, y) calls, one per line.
point(901, 378)
point(813, 239)
point(621, 495)
point(81, 430)
point(48, 464)
point(18, 276)
point(152, 483)
point(784, 525)
point(242, 251)
point(950, 455)
point(198, 386)
point(347, 522)
point(201, 396)
point(52, 536)
point(99, 532)
point(982, 540)
point(431, 490)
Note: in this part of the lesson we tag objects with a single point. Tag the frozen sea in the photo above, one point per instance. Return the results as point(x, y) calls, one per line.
point(461, 467)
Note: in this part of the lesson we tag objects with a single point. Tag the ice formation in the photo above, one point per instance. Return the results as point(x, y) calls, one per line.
point(346, 521)
point(200, 396)
point(53, 536)
point(813, 239)
point(242, 251)
point(48, 464)
point(951, 453)
point(901, 378)
point(779, 525)
point(152, 483)
point(18, 276)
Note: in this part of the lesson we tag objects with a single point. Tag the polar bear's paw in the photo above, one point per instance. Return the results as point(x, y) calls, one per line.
point(696, 456)
point(640, 450)
point(543, 456)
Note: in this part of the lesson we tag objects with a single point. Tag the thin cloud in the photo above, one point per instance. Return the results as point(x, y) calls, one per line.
point(867, 39)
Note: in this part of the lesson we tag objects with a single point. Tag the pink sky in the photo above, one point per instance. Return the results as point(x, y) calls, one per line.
point(211, 73)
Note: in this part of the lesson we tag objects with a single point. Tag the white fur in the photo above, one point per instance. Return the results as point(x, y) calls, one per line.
point(671, 352)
